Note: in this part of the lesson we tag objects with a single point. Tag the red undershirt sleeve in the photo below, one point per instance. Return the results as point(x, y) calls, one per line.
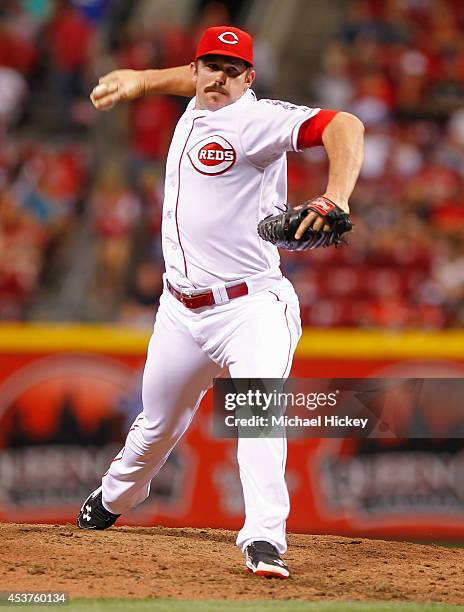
point(310, 132)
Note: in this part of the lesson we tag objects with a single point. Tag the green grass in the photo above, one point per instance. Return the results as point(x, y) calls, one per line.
point(174, 605)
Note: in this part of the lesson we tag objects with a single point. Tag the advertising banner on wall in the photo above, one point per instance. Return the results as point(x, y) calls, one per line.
point(68, 397)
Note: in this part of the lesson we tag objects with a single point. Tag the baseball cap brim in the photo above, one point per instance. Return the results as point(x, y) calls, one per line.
point(226, 53)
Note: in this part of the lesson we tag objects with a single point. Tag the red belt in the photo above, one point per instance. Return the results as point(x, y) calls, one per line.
point(206, 298)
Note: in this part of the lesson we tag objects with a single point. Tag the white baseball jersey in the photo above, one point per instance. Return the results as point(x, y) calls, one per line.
point(226, 170)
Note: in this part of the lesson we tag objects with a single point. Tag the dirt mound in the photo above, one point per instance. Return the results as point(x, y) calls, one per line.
point(205, 564)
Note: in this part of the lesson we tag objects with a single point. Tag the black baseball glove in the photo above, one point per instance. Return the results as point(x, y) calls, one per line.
point(280, 229)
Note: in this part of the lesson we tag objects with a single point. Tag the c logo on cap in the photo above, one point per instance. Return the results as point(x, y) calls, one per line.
point(234, 41)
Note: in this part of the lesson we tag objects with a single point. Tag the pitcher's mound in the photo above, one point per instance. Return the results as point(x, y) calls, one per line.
point(205, 564)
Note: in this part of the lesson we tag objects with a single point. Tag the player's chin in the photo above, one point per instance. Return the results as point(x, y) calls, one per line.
point(216, 100)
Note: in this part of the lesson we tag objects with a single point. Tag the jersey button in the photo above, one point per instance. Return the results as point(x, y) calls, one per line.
point(169, 214)
point(174, 247)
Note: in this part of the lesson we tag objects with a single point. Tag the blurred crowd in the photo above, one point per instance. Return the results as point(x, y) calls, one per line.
point(81, 191)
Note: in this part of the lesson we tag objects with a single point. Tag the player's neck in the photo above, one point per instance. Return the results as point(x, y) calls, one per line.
point(209, 107)
point(202, 104)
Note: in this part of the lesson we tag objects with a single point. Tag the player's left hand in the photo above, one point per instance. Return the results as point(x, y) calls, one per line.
point(314, 220)
point(315, 224)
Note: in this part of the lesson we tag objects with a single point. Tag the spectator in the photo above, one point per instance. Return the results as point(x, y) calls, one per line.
point(68, 36)
point(143, 296)
point(114, 210)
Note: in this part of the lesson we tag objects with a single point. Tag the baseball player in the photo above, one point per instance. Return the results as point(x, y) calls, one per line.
point(225, 305)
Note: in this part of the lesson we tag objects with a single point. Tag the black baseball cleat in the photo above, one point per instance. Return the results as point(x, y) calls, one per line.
point(93, 514)
point(263, 559)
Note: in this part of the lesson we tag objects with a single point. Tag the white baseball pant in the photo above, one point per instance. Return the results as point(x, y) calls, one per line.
point(254, 336)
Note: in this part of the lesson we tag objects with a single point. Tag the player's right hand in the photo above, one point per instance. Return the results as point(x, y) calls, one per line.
point(117, 86)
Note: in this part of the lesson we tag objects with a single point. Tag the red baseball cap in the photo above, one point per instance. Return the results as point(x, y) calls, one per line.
point(226, 40)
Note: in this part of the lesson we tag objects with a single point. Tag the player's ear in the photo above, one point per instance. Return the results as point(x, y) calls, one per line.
point(194, 70)
point(250, 77)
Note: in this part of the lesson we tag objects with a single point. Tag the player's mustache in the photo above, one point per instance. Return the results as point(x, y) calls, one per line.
point(216, 88)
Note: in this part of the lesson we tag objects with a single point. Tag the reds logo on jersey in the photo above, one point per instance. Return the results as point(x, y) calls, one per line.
point(212, 155)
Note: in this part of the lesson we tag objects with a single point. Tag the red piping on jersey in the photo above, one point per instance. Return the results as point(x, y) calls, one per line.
point(310, 133)
point(136, 424)
point(289, 333)
point(178, 191)
point(116, 459)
